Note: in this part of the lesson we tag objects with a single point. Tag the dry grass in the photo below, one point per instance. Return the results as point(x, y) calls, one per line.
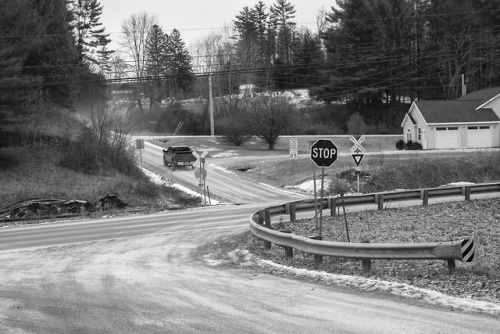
point(34, 172)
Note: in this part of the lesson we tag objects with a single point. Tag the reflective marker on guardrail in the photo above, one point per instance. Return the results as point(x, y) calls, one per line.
point(468, 248)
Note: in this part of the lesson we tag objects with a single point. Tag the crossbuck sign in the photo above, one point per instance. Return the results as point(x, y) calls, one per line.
point(357, 148)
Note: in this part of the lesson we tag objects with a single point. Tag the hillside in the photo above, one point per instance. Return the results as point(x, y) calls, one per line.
point(46, 169)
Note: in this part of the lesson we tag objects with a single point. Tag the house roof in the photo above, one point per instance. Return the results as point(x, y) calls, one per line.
point(408, 116)
point(481, 96)
point(463, 111)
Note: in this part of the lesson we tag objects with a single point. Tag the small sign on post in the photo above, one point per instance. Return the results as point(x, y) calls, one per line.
point(294, 148)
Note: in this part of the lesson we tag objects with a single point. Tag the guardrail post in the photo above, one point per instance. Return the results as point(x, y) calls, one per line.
point(317, 258)
point(267, 218)
point(261, 217)
point(425, 199)
point(293, 215)
point(267, 221)
point(380, 201)
point(366, 263)
point(451, 266)
point(288, 250)
point(467, 193)
point(332, 205)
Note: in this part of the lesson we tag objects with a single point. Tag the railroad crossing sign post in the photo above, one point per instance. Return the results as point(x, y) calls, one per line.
point(323, 154)
point(201, 174)
point(357, 153)
point(139, 143)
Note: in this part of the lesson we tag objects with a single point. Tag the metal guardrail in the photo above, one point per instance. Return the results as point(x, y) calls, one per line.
point(462, 250)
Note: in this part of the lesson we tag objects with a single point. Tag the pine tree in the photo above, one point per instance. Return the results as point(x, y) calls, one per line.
point(247, 44)
point(156, 66)
point(14, 49)
point(51, 52)
point(308, 60)
point(351, 54)
point(282, 14)
point(90, 36)
point(179, 62)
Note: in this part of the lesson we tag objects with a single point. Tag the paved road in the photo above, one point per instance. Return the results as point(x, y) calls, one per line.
point(139, 274)
point(152, 284)
point(223, 187)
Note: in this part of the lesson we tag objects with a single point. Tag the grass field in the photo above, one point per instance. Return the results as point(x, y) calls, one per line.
point(382, 168)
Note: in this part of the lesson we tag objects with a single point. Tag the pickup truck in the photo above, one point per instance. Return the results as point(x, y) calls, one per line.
point(175, 156)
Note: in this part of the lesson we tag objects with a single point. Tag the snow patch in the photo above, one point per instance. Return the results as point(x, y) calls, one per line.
point(399, 289)
point(222, 169)
point(158, 179)
point(308, 186)
point(225, 154)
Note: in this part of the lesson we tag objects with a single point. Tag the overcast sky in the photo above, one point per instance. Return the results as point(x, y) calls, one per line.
point(196, 18)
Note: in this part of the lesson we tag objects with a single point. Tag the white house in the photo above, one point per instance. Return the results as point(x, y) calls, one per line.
point(472, 121)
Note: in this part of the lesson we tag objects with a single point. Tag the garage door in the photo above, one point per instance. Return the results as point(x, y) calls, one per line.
point(447, 137)
point(479, 136)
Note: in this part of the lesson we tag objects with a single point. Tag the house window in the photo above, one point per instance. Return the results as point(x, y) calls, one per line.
point(408, 136)
point(484, 127)
point(419, 134)
point(440, 129)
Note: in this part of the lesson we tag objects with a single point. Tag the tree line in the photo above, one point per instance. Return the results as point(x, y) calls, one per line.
point(48, 46)
point(369, 57)
point(367, 51)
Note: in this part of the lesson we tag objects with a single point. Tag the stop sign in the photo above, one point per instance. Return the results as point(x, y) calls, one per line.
point(323, 153)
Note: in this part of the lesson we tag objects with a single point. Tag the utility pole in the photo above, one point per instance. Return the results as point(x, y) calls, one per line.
point(211, 104)
point(464, 88)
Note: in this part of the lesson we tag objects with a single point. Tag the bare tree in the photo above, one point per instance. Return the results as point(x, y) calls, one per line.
point(270, 117)
point(135, 31)
point(118, 67)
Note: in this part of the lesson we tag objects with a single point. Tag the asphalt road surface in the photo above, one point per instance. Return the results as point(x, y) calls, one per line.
point(223, 186)
point(137, 274)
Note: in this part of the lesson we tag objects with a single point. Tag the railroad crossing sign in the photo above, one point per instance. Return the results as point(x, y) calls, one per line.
point(200, 156)
point(357, 148)
point(323, 153)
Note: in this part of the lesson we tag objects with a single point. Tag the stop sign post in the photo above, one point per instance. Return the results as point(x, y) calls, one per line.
point(323, 153)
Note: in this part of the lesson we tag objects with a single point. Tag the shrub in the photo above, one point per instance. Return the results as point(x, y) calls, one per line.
point(400, 144)
point(413, 145)
point(91, 156)
point(410, 145)
point(234, 130)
